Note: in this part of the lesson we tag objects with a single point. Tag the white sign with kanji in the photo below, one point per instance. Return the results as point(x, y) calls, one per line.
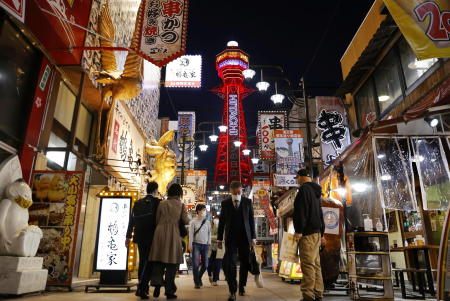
point(184, 72)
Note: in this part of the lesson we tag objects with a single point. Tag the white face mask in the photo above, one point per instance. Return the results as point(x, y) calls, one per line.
point(236, 197)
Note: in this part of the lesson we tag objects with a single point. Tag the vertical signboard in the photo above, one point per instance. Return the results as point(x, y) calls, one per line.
point(332, 125)
point(197, 180)
point(186, 127)
point(233, 134)
point(261, 201)
point(268, 122)
point(56, 206)
point(162, 29)
point(289, 156)
point(111, 252)
point(184, 72)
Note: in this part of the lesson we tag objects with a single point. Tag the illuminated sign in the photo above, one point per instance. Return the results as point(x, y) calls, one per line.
point(233, 118)
point(289, 156)
point(112, 254)
point(268, 122)
point(184, 72)
point(233, 63)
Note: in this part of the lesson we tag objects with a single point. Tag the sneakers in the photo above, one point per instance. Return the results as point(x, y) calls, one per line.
point(232, 297)
point(259, 281)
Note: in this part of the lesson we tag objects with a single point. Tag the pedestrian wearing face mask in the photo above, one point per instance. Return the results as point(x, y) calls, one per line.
point(237, 225)
point(216, 255)
point(199, 242)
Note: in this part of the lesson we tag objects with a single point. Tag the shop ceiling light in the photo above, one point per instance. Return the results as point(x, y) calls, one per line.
point(432, 121)
point(255, 160)
point(213, 138)
point(359, 187)
point(246, 152)
point(203, 147)
point(249, 73)
point(223, 128)
point(237, 143)
point(383, 98)
point(385, 177)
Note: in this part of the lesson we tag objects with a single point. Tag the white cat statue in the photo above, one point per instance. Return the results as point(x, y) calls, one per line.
point(17, 238)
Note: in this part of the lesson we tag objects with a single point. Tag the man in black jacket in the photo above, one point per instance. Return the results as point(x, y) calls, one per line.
point(238, 223)
point(143, 223)
point(309, 229)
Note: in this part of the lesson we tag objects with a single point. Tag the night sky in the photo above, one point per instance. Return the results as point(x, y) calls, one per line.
point(272, 33)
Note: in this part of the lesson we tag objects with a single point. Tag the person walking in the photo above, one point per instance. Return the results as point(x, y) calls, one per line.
point(167, 251)
point(143, 223)
point(199, 242)
point(238, 224)
point(309, 228)
point(215, 258)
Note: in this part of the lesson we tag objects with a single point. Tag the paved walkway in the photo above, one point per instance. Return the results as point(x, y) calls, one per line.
point(274, 290)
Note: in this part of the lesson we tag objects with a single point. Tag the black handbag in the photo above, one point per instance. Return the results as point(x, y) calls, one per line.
point(253, 265)
point(181, 226)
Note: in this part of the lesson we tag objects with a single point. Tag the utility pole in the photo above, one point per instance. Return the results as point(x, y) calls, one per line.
point(308, 128)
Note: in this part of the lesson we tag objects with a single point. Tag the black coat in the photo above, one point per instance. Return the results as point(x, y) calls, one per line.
point(143, 220)
point(308, 216)
point(225, 219)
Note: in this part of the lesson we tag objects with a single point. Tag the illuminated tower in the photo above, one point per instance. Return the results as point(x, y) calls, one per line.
point(231, 164)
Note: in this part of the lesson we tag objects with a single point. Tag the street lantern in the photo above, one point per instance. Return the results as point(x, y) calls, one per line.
point(237, 143)
point(195, 158)
point(223, 128)
point(262, 85)
point(203, 147)
point(213, 138)
point(210, 198)
point(221, 187)
point(255, 160)
point(277, 98)
point(249, 73)
point(246, 152)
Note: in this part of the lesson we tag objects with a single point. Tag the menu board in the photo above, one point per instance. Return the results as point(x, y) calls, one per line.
point(112, 253)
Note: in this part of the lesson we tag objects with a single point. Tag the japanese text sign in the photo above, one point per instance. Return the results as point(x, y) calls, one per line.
point(111, 250)
point(425, 25)
point(186, 124)
point(289, 156)
point(162, 26)
point(57, 198)
point(332, 125)
point(186, 71)
point(268, 122)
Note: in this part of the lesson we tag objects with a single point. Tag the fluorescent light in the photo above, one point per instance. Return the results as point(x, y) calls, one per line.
point(237, 143)
point(203, 147)
point(213, 138)
point(223, 128)
point(246, 152)
point(249, 73)
point(383, 98)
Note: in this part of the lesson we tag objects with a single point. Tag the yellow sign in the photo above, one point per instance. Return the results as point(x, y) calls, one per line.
point(425, 25)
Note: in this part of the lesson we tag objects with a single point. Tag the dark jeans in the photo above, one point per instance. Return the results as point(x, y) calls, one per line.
point(232, 251)
point(199, 251)
point(144, 250)
point(146, 275)
point(214, 265)
point(168, 271)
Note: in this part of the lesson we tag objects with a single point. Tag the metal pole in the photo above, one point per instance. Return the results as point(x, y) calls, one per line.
point(182, 158)
point(308, 129)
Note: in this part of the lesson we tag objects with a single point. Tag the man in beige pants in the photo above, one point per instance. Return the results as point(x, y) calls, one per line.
point(309, 229)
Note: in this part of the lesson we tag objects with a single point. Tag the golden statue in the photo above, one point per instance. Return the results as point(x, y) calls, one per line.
point(165, 161)
point(117, 85)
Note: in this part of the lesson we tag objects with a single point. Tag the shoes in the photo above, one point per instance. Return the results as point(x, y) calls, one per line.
point(141, 294)
point(214, 283)
point(232, 297)
point(197, 286)
point(157, 291)
point(170, 296)
point(241, 291)
point(259, 281)
point(211, 279)
point(318, 299)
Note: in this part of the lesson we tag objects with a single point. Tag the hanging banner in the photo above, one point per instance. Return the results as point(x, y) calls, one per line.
point(162, 27)
point(268, 121)
point(289, 156)
point(57, 197)
point(197, 180)
point(184, 72)
point(111, 252)
point(332, 126)
point(15, 8)
point(186, 127)
point(186, 124)
point(425, 25)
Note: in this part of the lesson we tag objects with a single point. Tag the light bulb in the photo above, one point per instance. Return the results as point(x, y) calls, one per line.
point(277, 98)
point(213, 138)
point(223, 128)
point(246, 152)
point(203, 147)
point(255, 160)
point(248, 73)
point(262, 86)
point(237, 143)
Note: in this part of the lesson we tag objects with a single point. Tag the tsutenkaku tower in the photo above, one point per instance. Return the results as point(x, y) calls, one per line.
point(231, 164)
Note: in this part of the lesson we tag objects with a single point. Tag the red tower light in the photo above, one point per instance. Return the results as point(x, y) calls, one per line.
point(231, 163)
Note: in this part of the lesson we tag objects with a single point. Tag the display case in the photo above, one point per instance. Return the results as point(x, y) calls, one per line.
point(369, 266)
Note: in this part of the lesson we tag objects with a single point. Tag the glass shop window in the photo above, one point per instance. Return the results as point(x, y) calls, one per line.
point(84, 123)
point(387, 81)
point(19, 65)
point(365, 105)
point(56, 156)
point(413, 69)
point(65, 105)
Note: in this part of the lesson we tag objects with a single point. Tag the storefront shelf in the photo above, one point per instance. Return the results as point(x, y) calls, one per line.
point(368, 253)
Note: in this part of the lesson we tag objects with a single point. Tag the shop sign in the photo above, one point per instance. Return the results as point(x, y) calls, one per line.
point(233, 115)
point(186, 124)
point(44, 78)
point(57, 197)
point(259, 189)
point(197, 179)
point(162, 27)
point(189, 196)
point(331, 220)
point(261, 168)
point(111, 252)
point(289, 156)
point(15, 8)
point(332, 126)
point(127, 144)
point(184, 72)
point(424, 24)
point(268, 122)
